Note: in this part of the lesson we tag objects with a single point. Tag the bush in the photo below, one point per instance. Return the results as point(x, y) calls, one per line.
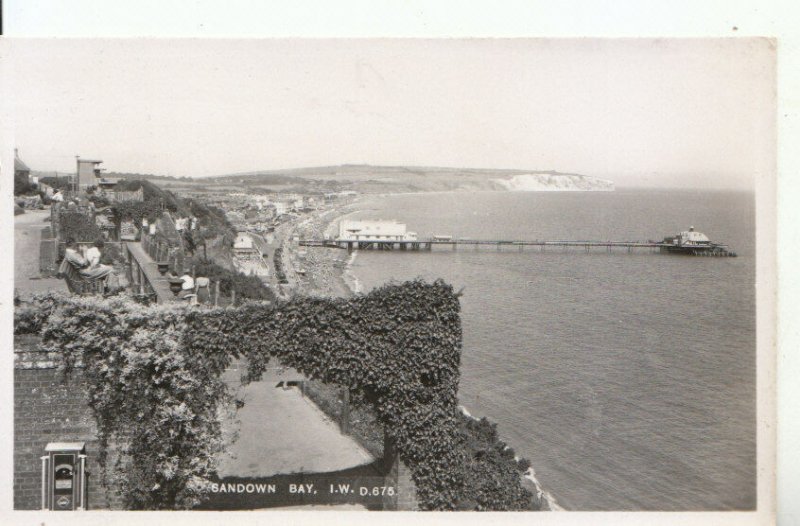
point(150, 192)
point(136, 211)
point(246, 287)
point(22, 184)
point(493, 473)
point(211, 220)
point(100, 201)
point(58, 183)
point(78, 225)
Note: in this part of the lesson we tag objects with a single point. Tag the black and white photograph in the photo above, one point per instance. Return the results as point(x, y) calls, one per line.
point(387, 274)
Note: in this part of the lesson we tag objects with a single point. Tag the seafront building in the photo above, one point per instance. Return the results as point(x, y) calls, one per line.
point(374, 230)
point(247, 257)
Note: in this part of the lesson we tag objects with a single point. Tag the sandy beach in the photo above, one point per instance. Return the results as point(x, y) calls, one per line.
point(323, 271)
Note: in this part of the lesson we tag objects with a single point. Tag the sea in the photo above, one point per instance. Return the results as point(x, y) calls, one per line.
point(627, 379)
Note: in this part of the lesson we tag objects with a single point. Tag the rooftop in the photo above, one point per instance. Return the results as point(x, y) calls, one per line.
point(19, 164)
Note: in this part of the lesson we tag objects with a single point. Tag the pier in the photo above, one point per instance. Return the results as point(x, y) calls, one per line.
point(426, 245)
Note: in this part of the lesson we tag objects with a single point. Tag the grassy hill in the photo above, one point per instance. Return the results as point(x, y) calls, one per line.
point(385, 179)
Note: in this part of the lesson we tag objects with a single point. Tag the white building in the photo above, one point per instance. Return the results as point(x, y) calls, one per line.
point(374, 230)
point(243, 241)
point(247, 257)
point(281, 207)
point(692, 238)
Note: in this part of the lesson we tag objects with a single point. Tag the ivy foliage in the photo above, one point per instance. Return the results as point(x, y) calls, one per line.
point(147, 394)
point(493, 472)
point(155, 382)
point(79, 226)
point(399, 346)
point(136, 211)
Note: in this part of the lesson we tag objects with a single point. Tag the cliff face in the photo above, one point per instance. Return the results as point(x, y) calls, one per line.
point(550, 182)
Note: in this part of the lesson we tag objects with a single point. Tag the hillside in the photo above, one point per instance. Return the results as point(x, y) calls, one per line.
point(389, 179)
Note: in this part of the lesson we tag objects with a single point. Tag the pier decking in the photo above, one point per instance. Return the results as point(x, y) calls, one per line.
point(520, 245)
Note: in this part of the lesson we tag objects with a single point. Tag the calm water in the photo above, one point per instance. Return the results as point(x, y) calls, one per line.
point(627, 380)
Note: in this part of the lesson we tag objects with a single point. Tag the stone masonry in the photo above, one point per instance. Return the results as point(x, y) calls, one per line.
point(50, 408)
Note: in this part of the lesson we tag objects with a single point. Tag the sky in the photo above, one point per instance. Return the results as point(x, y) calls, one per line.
point(697, 113)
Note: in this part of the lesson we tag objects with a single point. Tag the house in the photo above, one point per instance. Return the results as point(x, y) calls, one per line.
point(88, 173)
point(21, 170)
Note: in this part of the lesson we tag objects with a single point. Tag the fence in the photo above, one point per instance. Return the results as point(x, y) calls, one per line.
point(162, 250)
point(121, 197)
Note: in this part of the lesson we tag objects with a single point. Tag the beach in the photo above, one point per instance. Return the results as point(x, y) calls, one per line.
point(322, 271)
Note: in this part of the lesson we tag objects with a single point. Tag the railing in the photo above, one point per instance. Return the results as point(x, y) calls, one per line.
point(162, 251)
point(121, 197)
point(138, 280)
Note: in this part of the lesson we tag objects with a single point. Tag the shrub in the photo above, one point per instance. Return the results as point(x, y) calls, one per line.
point(493, 472)
point(246, 287)
point(135, 211)
point(78, 225)
point(58, 183)
point(22, 184)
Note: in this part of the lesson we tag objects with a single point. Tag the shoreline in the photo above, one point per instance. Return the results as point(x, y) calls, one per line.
point(338, 276)
point(328, 271)
point(544, 496)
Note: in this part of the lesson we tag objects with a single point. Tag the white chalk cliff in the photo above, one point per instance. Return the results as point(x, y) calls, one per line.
point(553, 182)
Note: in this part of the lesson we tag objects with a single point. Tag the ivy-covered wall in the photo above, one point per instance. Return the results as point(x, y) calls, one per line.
point(154, 382)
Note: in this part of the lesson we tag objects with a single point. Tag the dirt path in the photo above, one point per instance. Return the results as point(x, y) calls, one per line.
point(282, 432)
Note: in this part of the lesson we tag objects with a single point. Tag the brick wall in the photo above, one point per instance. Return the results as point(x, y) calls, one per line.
point(48, 255)
point(399, 476)
point(48, 409)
